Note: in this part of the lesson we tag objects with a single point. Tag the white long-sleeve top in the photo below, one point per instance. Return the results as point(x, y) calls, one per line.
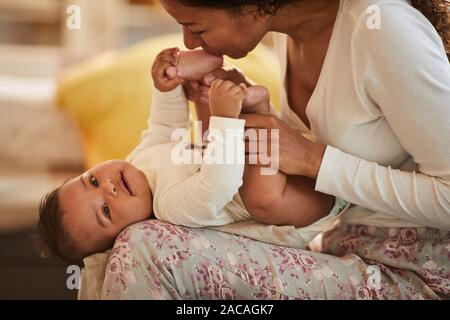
point(382, 105)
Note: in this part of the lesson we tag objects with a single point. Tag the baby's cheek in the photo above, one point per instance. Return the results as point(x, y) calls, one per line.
point(133, 213)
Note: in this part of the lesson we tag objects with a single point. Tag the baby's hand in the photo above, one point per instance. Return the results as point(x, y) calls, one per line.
point(166, 59)
point(225, 98)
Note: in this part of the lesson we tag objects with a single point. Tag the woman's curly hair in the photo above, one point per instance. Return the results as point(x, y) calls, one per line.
point(437, 11)
point(235, 6)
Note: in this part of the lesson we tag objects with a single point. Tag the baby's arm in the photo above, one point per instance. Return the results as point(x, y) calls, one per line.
point(169, 107)
point(199, 200)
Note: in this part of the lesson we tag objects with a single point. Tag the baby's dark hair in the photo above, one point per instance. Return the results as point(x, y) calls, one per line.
point(51, 236)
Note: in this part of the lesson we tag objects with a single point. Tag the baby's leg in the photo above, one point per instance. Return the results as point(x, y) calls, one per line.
point(283, 200)
point(194, 65)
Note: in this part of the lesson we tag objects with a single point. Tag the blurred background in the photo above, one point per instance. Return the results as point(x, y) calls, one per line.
point(75, 90)
point(40, 146)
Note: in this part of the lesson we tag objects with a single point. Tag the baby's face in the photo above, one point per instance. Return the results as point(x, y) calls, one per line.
point(102, 201)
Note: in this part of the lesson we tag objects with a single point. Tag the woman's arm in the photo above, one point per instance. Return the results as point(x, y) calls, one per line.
point(410, 196)
point(409, 78)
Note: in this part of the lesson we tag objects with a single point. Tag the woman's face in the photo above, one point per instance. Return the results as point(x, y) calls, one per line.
point(218, 31)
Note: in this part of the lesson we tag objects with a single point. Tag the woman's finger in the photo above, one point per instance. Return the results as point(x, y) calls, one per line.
point(203, 88)
point(204, 100)
point(208, 79)
point(194, 84)
point(191, 88)
point(251, 147)
point(255, 134)
point(204, 95)
point(260, 147)
point(217, 74)
point(251, 160)
point(224, 73)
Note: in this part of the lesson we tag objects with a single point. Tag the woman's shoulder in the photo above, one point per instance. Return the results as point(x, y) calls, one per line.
point(391, 28)
point(357, 9)
point(384, 18)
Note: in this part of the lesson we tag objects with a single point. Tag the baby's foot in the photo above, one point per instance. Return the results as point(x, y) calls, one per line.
point(193, 65)
point(257, 101)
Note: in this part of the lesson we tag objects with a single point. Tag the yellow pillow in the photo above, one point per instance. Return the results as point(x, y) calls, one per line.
point(109, 95)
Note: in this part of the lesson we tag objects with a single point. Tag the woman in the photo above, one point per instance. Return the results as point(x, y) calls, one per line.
point(369, 81)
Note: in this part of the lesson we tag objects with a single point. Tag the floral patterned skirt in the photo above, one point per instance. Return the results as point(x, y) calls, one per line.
point(157, 260)
point(413, 262)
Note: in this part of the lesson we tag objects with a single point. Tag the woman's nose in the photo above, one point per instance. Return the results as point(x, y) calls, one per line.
point(190, 41)
point(110, 187)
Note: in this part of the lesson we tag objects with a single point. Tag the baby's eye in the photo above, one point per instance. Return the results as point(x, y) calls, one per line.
point(93, 181)
point(106, 211)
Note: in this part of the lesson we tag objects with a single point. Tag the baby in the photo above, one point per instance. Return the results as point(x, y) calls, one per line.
point(86, 213)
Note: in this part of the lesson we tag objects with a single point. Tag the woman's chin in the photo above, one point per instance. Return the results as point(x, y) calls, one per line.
point(237, 55)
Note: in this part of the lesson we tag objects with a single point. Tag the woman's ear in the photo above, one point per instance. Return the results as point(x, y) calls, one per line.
point(251, 15)
point(258, 13)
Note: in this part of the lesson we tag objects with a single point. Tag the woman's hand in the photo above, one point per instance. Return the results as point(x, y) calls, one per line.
point(198, 91)
point(297, 155)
